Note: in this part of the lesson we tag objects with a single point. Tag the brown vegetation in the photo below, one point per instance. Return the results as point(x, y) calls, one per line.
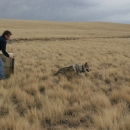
point(33, 99)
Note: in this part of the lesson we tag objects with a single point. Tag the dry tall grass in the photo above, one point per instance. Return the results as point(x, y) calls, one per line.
point(33, 99)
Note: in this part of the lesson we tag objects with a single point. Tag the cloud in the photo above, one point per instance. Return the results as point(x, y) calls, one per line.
point(67, 10)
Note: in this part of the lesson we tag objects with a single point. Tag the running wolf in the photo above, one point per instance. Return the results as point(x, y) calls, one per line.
point(73, 70)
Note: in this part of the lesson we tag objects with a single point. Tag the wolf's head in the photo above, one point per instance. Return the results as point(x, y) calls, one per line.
point(86, 67)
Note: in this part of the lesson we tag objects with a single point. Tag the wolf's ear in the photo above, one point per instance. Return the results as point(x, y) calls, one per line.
point(86, 64)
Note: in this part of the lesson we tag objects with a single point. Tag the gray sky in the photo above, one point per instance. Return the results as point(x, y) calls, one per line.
point(67, 10)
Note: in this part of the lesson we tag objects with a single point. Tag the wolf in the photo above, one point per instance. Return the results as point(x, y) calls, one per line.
point(73, 70)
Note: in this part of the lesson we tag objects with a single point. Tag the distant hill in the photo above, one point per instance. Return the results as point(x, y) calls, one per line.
point(43, 29)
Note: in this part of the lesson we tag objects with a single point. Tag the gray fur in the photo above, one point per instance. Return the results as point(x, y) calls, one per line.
point(74, 69)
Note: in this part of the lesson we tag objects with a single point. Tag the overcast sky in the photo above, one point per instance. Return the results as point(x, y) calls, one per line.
point(67, 10)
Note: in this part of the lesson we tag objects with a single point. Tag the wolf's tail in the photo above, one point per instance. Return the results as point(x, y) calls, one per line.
point(56, 74)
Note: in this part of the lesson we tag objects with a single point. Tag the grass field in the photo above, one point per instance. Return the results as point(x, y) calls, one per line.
point(33, 99)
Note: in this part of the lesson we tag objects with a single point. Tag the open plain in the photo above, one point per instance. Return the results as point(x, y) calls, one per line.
point(33, 99)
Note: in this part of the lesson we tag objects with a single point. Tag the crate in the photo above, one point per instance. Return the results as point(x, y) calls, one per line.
point(8, 71)
point(7, 61)
point(8, 64)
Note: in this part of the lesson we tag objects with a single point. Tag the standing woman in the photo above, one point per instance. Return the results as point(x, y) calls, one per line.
point(5, 36)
